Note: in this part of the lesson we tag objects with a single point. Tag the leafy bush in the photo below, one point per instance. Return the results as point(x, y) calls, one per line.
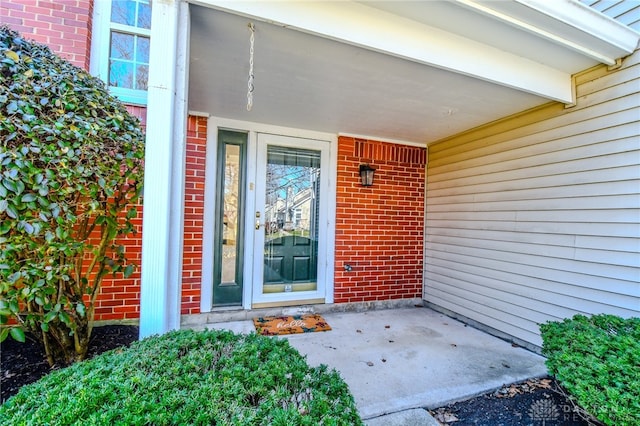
point(597, 360)
point(71, 165)
point(187, 377)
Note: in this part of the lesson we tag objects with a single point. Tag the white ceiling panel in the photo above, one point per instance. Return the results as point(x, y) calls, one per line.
point(313, 80)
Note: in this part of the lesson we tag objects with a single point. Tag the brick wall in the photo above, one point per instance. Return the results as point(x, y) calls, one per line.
point(379, 229)
point(193, 214)
point(120, 297)
point(63, 25)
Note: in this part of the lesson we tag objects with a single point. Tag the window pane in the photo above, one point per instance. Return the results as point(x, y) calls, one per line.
point(121, 46)
point(142, 76)
point(121, 74)
point(144, 15)
point(123, 12)
point(129, 50)
point(142, 53)
point(231, 198)
point(291, 219)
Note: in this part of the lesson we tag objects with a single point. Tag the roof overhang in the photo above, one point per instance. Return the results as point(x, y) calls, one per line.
point(531, 47)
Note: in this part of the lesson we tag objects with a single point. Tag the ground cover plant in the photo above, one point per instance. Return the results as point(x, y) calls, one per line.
point(188, 377)
point(515, 404)
point(70, 175)
point(597, 359)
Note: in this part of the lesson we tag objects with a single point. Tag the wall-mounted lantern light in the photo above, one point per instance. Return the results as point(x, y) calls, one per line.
point(366, 174)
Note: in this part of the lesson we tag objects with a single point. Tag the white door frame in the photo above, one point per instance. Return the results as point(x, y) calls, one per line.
point(253, 129)
point(258, 296)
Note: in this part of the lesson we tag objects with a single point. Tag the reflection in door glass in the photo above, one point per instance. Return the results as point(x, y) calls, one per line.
point(227, 262)
point(291, 219)
point(230, 209)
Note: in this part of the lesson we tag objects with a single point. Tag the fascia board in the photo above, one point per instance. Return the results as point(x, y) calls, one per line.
point(527, 18)
point(621, 39)
point(377, 30)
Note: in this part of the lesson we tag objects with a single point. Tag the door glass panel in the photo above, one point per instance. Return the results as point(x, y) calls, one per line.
point(291, 220)
point(228, 256)
point(230, 216)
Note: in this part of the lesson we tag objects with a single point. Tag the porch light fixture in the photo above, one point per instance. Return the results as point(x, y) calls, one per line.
point(366, 174)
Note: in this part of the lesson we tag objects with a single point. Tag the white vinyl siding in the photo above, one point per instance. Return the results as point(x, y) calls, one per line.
point(624, 11)
point(537, 218)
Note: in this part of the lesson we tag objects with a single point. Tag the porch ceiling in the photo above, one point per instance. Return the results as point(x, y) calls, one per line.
point(324, 81)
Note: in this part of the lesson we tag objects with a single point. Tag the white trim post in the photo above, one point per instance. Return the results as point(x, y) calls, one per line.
point(163, 209)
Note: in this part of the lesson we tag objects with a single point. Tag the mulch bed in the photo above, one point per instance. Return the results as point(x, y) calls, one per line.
point(24, 363)
point(531, 403)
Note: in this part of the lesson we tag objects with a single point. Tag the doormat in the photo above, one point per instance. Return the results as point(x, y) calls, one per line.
point(273, 326)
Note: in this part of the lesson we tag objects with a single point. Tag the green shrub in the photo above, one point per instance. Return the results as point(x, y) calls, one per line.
point(187, 377)
point(70, 174)
point(597, 359)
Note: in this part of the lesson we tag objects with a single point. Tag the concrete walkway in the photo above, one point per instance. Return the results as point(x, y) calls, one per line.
point(397, 360)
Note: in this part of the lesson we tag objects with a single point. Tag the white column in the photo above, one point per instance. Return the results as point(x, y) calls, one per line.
point(163, 209)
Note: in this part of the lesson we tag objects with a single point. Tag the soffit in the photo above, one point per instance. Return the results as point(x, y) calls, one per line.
point(310, 77)
point(565, 35)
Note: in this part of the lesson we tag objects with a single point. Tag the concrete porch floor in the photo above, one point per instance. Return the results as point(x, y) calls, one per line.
point(396, 360)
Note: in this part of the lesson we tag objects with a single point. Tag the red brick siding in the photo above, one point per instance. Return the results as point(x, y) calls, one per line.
point(63, 25)
point(193, 214)
point(140, 112)
point(119, 297)
point(379, 229)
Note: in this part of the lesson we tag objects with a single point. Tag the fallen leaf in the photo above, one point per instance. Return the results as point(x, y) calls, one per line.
point(369, 363)
point(545, 384)
point(443, 416)
point(449, 417)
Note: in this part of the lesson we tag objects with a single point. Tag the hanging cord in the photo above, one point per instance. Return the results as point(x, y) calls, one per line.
point(250, 87)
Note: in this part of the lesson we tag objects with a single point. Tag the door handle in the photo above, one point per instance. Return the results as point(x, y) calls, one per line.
point(258, 224)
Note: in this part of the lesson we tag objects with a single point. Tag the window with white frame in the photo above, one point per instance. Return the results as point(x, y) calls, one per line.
point(120, 48)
